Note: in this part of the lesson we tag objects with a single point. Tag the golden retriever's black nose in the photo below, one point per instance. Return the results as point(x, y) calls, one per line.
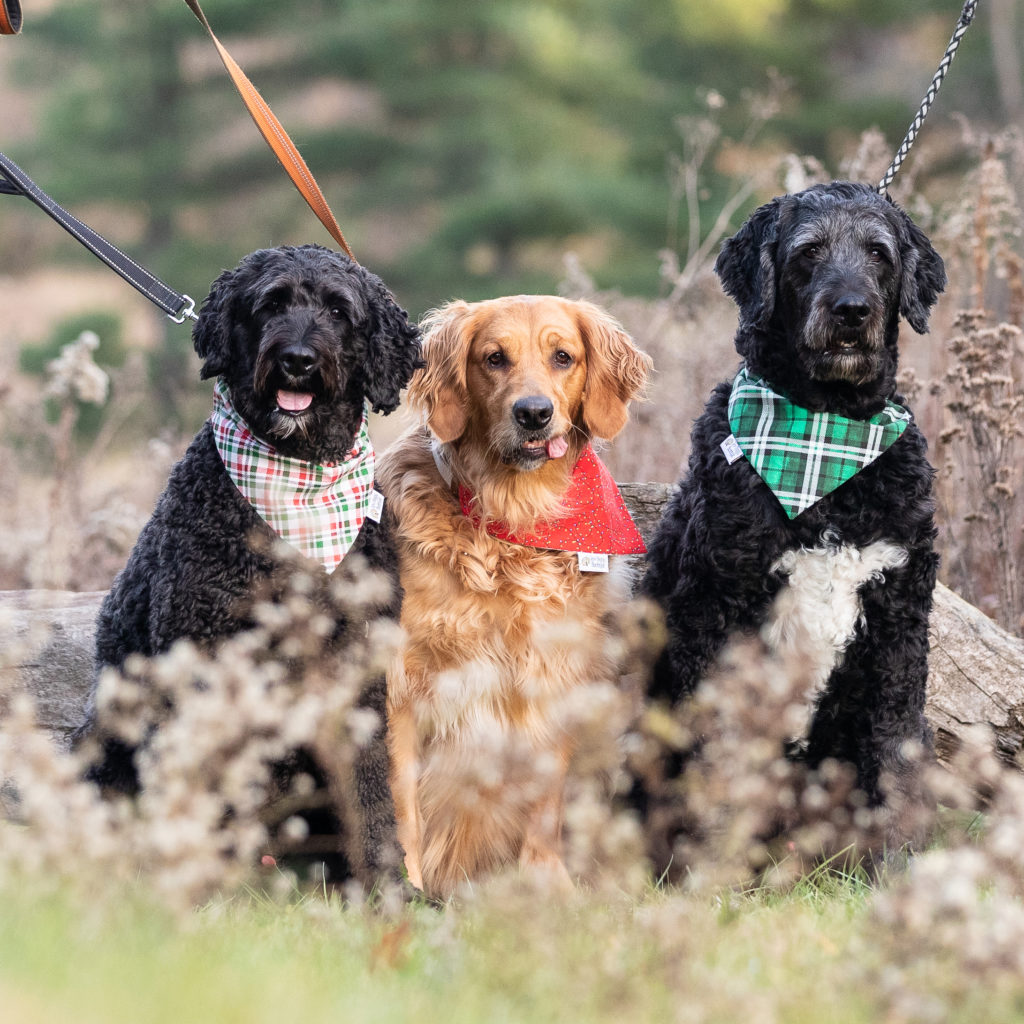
point(297, 361)
point(850, 310)
point(533, 412)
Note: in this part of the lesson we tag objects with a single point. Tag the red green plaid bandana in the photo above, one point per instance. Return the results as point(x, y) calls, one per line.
point(319, 510)
point(803, 455)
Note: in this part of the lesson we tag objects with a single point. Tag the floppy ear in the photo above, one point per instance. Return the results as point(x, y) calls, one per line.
point(211, 335)
point(746, 265)
point(617, 371)
point(393, 347)
point(439, 388)
point(924, 275)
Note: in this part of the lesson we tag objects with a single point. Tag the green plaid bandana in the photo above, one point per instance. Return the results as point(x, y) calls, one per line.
point(803, 455)
point(319, 510)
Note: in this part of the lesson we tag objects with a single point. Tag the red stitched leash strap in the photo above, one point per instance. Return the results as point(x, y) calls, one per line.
point(596, 519)
point(277, 138)
point(10, 17)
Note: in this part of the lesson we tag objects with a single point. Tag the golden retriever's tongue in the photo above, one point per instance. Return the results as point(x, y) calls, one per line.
point(557, 447)
point(294, 401)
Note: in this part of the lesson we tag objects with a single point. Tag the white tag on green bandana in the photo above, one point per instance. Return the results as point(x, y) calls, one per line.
point(731, 449)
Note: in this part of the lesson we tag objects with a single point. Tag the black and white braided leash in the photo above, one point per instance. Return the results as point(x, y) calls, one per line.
point(964, 21)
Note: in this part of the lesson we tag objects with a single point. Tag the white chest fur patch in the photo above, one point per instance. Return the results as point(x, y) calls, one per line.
point(815, 615)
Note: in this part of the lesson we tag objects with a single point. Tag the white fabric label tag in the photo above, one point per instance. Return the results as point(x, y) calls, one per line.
point(592, 562)
point(375, 507)
point(732, 450)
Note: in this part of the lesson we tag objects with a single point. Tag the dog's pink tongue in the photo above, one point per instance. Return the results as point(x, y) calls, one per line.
point(294, 401)
point(557, 447)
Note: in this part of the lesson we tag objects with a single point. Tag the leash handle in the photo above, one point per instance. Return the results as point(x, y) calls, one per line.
point(277, 138)
point(10, 17)
point(178, 307)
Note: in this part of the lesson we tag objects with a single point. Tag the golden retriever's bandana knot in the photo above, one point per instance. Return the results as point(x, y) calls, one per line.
point(596, 519)
point(319, 510)
point(803, 455)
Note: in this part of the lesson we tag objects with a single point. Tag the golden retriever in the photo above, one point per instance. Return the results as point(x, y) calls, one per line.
point(498, 634)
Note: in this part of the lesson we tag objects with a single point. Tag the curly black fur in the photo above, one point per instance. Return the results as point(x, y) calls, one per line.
point(305, 319)
point(821, 278)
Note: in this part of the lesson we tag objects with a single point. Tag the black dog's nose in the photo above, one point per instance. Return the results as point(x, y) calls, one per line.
point(533, 412)
point(850, 310)
point(297, 361)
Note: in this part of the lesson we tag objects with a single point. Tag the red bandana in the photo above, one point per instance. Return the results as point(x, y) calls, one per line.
point(596, 519)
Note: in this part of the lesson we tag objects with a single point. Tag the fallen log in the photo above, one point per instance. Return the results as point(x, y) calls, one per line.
point(976, 674)
point(47, 640)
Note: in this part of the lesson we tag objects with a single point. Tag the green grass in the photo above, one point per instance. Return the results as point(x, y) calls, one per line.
point(812, 953)
point(811, 956)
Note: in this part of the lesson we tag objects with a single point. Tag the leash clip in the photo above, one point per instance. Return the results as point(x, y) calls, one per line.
point(187, 312)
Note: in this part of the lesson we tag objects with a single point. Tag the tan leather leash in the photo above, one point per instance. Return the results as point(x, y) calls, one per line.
point(10, 17)
point(277, 138)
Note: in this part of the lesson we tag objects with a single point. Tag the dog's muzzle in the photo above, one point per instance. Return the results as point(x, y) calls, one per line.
point(299, 374)
point(843, 338)
point(528, 443)
point(294, 368)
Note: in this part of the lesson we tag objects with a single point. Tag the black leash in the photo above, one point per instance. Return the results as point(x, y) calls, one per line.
point(964, 21)
point(15, 182)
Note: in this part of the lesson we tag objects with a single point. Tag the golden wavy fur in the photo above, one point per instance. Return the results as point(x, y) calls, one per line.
point(498, 636)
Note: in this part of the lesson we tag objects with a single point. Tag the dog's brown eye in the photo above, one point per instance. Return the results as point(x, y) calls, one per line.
point(877, 253)
point(812, 252)
point(335, 313)
point(495, 360)
point(563, 359)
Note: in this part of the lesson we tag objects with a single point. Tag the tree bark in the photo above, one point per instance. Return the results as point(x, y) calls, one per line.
point(976, 669)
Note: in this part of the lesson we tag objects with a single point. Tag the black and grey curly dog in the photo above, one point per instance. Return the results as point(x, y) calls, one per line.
point(287, 320)
point(821, 278)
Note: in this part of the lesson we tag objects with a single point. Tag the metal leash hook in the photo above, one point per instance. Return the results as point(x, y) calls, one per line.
point(188, 312)
point(964, 21)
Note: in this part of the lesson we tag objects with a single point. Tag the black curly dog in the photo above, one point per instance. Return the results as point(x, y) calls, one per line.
point(821, 279)
point(306, 319)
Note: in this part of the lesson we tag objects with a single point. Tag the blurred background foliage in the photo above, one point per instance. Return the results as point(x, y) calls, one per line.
point(464, 148)
point(600, 148)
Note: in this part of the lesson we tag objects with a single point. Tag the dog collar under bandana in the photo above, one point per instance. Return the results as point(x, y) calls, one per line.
point(317, 509)
point(596, 520)
point(803, 455)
